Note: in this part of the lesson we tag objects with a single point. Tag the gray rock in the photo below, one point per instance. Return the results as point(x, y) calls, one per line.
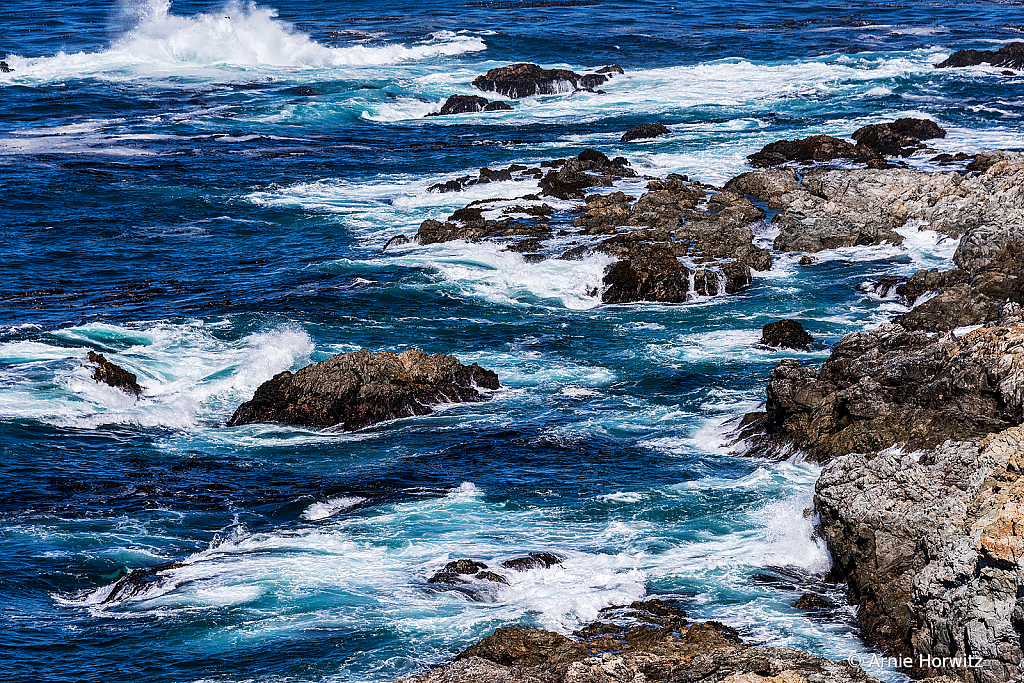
point(930, 549)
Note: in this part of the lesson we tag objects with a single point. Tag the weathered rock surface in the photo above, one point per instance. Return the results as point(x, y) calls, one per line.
point(865, 206)
point(1010, 56)
point(523, 80)
point(644, 131)
point(786, 334)
point(463, 104)
point(353, 390)
point(590, 168)
point(931, 549)
point(516, 172)
point(890, 386)
point(610, 653)
point(114, 375)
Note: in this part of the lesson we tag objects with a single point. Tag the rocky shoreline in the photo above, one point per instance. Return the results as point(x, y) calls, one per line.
point(917, 423)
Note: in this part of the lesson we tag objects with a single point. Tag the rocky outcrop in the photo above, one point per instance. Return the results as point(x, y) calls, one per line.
point(786, 334)
point(523, 80)
point(648, 641)
point(644, 131)
point(813, 148)
point(930, 548)
point(901, 138)
point(463, 104)
point(893, 387)
point(843, 207)
point(667, 249)
point(353, 390)
point(590, 168)
point(1010, 56)
point(114, 375)
point(516, 172)
point(5, 68)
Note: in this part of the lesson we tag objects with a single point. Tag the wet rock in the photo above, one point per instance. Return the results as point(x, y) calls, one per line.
point(532, 561)
point(488, 175)
point(900, 138)
point(813, 148)
point(5, 68)
point(786, 334)
point(397, 240)
point(810, 601)
point(491, 576)
point(470, 224)
point(1010, 56)
point(924, 281)
point(986, 160)
point(450, 573)
point(523, 80)
point(462, 104)
point(545, 650)
point(893, 387)
point(651, 273)
point(138, 581)
point(930, 547)
point(114, 375)
point(644, 131)
point(353, 390)
point(589, 169)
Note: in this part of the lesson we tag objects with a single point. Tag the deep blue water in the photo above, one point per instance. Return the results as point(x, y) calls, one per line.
point(201, 192)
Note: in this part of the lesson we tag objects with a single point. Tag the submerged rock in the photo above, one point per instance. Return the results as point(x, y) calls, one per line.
point(138, 581)
point(353, 390)
point(462, 104)
point(114, 375)
point(1011, 56)
point(786, 334)
point(588, 169)
point(532, 561)
point(645, 130)
point(5, 68)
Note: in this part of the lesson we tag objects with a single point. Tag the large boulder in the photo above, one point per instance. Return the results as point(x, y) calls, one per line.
point(1009, 56)
point(644, 131)
point(353, 390)
point(931, 547)
point(786, 334)
point(900, 138)
point(813, 148)
point(589, 168)
point(463, 104)
point(523, 80)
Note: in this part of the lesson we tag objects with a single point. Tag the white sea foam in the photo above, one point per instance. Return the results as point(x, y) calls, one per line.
point(189, 374)
point(157, 43)
point(331, 507)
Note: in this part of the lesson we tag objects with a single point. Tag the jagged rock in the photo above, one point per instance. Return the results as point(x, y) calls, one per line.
point(5, 68)
point(532, 561)
point(813, 148)
point(470, 224)
point(985, 160)
point(114, 375)
point(900, 138)
point(523, 80)
point(487, 175)
point(462, 104)
point(778, 186)
point(930, 548)
point(574, 176)
point(786, 334)
point(451, 572)
point(644, 131)
point(353, 390)
point(702, 653)
point(1011, 56)
point(924, 281)
point(138, 581)
point(889, 387)
point(651, 273)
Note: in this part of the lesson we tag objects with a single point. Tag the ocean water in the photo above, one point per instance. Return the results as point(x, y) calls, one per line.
point(200, 191)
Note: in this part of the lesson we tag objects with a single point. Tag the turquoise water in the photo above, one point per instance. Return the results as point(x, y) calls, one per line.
point(201, 192)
